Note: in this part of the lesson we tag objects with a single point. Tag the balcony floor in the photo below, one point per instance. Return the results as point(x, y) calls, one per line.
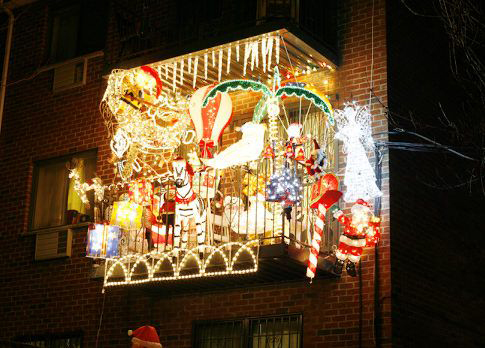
point(278, 263)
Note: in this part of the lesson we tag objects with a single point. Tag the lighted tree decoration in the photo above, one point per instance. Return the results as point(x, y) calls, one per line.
point(284, 187)
point(354, 129)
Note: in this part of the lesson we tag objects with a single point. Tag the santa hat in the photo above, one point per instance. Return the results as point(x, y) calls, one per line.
point(146, 336)
point(153, 73)
point(362, 202)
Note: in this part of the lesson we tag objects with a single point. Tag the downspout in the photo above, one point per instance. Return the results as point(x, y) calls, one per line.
point(6, 59)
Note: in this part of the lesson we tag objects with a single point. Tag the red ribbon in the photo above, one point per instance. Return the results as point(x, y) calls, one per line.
point(182, 200)
point(205, 146)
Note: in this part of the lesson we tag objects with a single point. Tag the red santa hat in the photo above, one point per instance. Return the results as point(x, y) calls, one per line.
point(362, 202)
point(146, 336)
point(153, 73)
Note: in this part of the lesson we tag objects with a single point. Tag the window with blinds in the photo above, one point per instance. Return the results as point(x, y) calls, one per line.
point(54, 200)
point(283, 331)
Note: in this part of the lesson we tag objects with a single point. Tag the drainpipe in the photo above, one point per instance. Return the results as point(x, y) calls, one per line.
point(6, 59)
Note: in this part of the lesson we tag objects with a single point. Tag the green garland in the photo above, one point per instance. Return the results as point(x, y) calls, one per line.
point(233, 85)
point(260, 109)
point(308, 95)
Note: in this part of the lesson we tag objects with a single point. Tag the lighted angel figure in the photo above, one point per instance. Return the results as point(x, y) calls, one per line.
point(354, 129)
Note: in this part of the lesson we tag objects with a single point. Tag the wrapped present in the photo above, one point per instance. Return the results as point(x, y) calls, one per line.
point(141, 192)
point(205, 183)
point(103, 241)
point(253, 184)
point(127, 215)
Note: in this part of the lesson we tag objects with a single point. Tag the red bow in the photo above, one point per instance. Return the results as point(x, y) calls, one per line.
point(205, 146)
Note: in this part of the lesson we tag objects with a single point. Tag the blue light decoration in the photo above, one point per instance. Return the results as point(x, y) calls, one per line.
point(102, 241)
point(284, 187)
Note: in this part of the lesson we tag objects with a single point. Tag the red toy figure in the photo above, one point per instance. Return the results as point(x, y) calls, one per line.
point(361, 230)
point(163, 220)
point(268, 152)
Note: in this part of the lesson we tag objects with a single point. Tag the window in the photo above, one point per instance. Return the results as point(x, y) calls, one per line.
point(54, 200)
point(77, 30)
point(319, 19)
point(284, 331)
point(69, 340)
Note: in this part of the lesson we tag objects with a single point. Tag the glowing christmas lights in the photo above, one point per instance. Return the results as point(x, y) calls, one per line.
point(153, 262)
point(102, 241)
point(148, 122)
point(284, 187)
point(360, 230)
point(247, 149)
point(354, 129)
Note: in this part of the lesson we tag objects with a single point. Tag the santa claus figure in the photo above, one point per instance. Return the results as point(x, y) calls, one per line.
point(317, 162)
point(360, 230)
point(145, 337)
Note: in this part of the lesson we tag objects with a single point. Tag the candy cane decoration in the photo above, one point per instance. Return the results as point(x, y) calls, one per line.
point(317, 238)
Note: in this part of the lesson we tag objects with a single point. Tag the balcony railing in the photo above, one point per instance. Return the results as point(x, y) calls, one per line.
point(240, 233)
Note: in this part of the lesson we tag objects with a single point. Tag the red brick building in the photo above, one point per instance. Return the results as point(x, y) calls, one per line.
point(52, 111)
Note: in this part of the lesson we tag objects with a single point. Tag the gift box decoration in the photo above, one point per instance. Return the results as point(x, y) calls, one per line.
point(127, 215)
point(252, 184)
point(205, 183)
point(103, 241)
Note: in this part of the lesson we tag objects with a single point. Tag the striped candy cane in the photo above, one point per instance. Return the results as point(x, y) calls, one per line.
point(317, 238)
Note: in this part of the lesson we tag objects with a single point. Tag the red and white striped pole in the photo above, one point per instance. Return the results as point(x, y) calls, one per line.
point(317, 238)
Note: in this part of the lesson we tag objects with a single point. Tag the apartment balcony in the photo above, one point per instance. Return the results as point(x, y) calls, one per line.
point(225, 264)
point(248, 238)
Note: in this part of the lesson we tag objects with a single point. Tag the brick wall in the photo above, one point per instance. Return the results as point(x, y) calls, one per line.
point(58, 296)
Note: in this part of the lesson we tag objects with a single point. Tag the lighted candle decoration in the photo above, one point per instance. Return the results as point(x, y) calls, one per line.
point(102, 241)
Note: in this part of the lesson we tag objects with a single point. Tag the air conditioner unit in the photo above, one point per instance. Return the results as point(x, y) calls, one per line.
point(69, 75)
point(52, 245)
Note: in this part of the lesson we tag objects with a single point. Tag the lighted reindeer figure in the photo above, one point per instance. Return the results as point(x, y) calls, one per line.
point(187, 205)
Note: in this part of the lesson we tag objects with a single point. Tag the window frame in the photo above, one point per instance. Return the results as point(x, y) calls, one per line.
point(35, 182)
point(83, 9)
point(74, 8)
point(49, 339)
point(246, 326)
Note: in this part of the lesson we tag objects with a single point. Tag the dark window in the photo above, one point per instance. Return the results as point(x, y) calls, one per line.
point(283, 331)
point(77, 30)
point(69, 340)
point(319, 19)
point(65, 27)
point(198, 19)
point(54, 200)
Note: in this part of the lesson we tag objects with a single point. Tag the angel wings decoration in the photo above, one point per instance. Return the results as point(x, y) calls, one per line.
point(354, 130)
